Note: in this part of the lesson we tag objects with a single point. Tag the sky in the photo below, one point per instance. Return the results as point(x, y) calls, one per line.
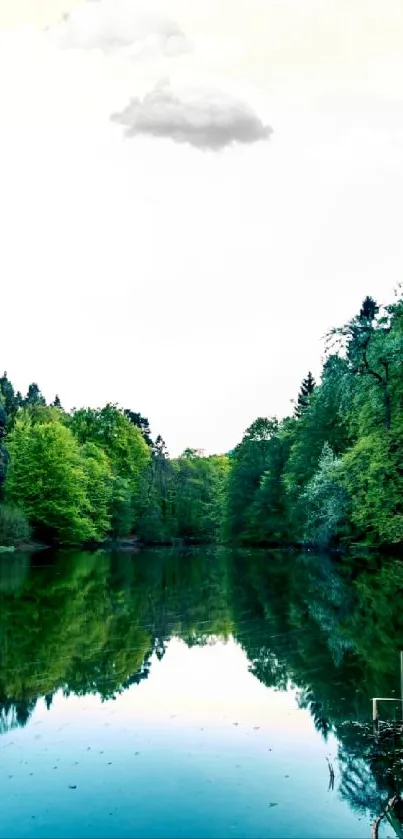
point(192, 195)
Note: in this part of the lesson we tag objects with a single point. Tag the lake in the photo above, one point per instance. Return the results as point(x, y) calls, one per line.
point(201, 693)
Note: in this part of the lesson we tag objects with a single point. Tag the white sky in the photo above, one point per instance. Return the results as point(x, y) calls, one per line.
point(194, 286)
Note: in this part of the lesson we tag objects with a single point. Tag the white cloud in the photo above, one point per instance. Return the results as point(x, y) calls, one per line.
point(195, 291)
point(207, 120)
point(111, 25)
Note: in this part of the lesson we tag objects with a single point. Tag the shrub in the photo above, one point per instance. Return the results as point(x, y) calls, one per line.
point(14, 526)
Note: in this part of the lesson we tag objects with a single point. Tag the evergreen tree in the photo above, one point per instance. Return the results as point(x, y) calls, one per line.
point(307, 388)
point(3, 450)
point(34, 396)
point(8, 395)
point(369, 310)
point(142, 424)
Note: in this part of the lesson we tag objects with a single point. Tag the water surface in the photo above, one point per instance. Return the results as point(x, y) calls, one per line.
point(202, 694)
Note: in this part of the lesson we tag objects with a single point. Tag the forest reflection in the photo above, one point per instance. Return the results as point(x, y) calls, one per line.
point(91, 623)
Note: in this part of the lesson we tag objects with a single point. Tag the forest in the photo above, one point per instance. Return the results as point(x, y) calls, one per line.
point(329, 475)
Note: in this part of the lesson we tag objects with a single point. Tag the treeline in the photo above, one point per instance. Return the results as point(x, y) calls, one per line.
point(90, 475)
point(333, 472)
point(330, 474)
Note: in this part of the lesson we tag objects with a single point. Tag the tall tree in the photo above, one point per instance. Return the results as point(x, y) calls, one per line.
point(142, 423)
point(34, 396)
point(47, 479)
point(247, 465)
point(307, 388)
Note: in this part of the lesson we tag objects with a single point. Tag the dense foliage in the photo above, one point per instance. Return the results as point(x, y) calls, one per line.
point(96, 474)
point(330, 474)
point(333, 472)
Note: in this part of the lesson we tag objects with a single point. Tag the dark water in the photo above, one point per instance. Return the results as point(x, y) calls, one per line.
point(206, 694)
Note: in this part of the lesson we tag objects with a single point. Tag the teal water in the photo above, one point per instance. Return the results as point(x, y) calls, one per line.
point(202, 694)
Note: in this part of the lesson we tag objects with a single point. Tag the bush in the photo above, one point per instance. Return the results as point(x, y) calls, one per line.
point(14, 525)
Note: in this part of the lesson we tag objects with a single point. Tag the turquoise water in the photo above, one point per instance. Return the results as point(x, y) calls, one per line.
point(129, 707)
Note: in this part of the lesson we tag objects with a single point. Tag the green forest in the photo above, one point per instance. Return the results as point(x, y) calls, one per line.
point(329, 475)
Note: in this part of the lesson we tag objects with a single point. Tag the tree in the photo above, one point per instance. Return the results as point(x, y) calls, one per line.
point(8, 396)
point(142, 423)
point(47, 479)
point(324, 420)
point(34, 396)
point(156, 523)
point(369, 310)
point(327, 502)
point(363, 340)
point(307, 388)
point(3, 450)
point(269, 521)
point(99, 488)
point(372, 475)
point(247, 465)
point(129, 456)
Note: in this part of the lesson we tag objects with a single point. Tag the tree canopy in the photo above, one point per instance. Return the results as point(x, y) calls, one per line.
point(330, 474)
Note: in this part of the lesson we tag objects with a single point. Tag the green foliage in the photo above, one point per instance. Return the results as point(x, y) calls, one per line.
point(248, 463)
point(129, 455)
point(185, 498)
point(323, 421)
point(372, 473)
point(14, 526)
point(269, 519)
point(98, 617)
point(142, 424)
point(119, 438)
point(331, 473)
point(197, 497)
point(34, 396)
point(307, 388)
point(47, 479)
point(121, 508)
point(326, 502)
point(99, 488)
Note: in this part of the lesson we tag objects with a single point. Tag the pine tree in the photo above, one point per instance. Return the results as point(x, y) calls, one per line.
point(369, 310)
point(34, 396)
point(307, 388)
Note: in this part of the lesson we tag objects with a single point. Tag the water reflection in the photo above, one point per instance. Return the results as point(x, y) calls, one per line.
point(92, 623)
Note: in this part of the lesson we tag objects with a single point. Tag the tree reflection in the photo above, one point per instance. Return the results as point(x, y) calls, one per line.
point(93, 623)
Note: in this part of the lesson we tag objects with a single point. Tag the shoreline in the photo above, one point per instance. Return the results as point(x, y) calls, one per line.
point(133, 544)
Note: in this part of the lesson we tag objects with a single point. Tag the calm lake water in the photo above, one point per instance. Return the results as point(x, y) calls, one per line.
point(203, 694)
